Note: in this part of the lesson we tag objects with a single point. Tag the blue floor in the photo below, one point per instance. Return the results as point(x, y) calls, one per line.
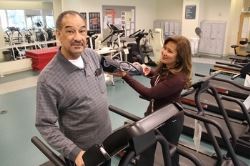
point(17, 118)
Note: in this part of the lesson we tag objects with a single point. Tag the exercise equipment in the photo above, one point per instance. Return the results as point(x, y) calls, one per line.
point(239, 65)
point(112, 65)
point(114, 32)
point(116, 43)
point(135, 137)
point(156, 41)
point(92, 36)
point(237, 131)
point(242, 42)
point(235, 70)
point(209, 103)
point(138, 52)
point(228, 87)
point(228, 159)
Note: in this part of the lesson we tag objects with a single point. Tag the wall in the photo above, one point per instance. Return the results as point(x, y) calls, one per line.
point(166, 9)
point(57, 8)
point(189, 25)
point(233, 25)
point(246, 5)
point(22, 5)
point(144, 12)
point(1, 41)
point(216, 9)
point(227, 11)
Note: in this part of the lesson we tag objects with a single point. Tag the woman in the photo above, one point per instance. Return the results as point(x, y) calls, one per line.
point(172, 75)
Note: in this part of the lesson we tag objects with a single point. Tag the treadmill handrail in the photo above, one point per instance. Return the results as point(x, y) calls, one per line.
point(47, 152)
point(205, 88)
point(199, 83)
point(230, 64)
point(189, 156)
point(235, 69)
point(124, 113)
point(136, 118)
point(222, 133)
point(226, 81)
point(242, 106)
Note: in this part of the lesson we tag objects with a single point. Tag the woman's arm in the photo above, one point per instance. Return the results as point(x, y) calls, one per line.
point(163, 89)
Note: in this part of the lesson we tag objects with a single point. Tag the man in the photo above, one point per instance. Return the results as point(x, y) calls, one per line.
point(71, 91)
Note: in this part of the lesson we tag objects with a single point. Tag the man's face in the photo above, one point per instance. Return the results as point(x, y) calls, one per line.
point(72, 36)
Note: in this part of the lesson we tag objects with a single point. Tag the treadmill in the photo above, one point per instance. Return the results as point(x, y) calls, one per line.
point(235, 70)
point(225, 87)
point(135, 137)
point(207, 159)
point(237, 131)
point(228, 87)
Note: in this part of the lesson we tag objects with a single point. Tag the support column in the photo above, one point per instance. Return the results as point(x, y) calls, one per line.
point(1, 42)
point(57, 8)
point(190, 17)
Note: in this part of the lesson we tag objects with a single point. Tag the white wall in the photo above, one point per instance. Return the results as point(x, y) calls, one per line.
point(227, 11)
point(216, 9)
point(189, 25)
point(21, 4)
point(169, 9)
point(57, 8)
point(233, 25)
point(144, 12)
point(1, 41)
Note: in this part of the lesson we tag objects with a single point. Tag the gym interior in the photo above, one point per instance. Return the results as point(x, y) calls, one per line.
point(218, 32)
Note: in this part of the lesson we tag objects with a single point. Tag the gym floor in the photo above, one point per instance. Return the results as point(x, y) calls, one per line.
point(17, 114)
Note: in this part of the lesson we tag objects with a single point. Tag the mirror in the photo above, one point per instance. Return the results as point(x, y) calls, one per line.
point(28, 28)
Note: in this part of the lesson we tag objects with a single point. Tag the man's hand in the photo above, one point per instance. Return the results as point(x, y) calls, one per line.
point(79, 160)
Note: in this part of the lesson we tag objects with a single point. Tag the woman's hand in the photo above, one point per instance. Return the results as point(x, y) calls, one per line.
point(119, 73)
point(79, 160)
point(146, 69)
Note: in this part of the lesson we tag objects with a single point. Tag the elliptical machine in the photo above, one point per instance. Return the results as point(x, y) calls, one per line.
point(92, 36)
point(136, 53)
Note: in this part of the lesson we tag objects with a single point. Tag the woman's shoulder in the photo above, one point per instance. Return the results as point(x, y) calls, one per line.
point(181, 76)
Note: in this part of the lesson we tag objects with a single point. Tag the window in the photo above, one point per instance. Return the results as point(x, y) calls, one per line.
point(29, 22)
point(16, 18)
point(3, 19)
point(50, 22)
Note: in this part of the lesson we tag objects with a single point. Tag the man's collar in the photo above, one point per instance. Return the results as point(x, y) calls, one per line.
point(66, 64)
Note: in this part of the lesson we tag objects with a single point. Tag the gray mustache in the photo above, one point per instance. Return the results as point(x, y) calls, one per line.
point(77, 44)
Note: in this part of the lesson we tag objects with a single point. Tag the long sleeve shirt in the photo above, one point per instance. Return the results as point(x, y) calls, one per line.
point(72, 109)
point(167, 90)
